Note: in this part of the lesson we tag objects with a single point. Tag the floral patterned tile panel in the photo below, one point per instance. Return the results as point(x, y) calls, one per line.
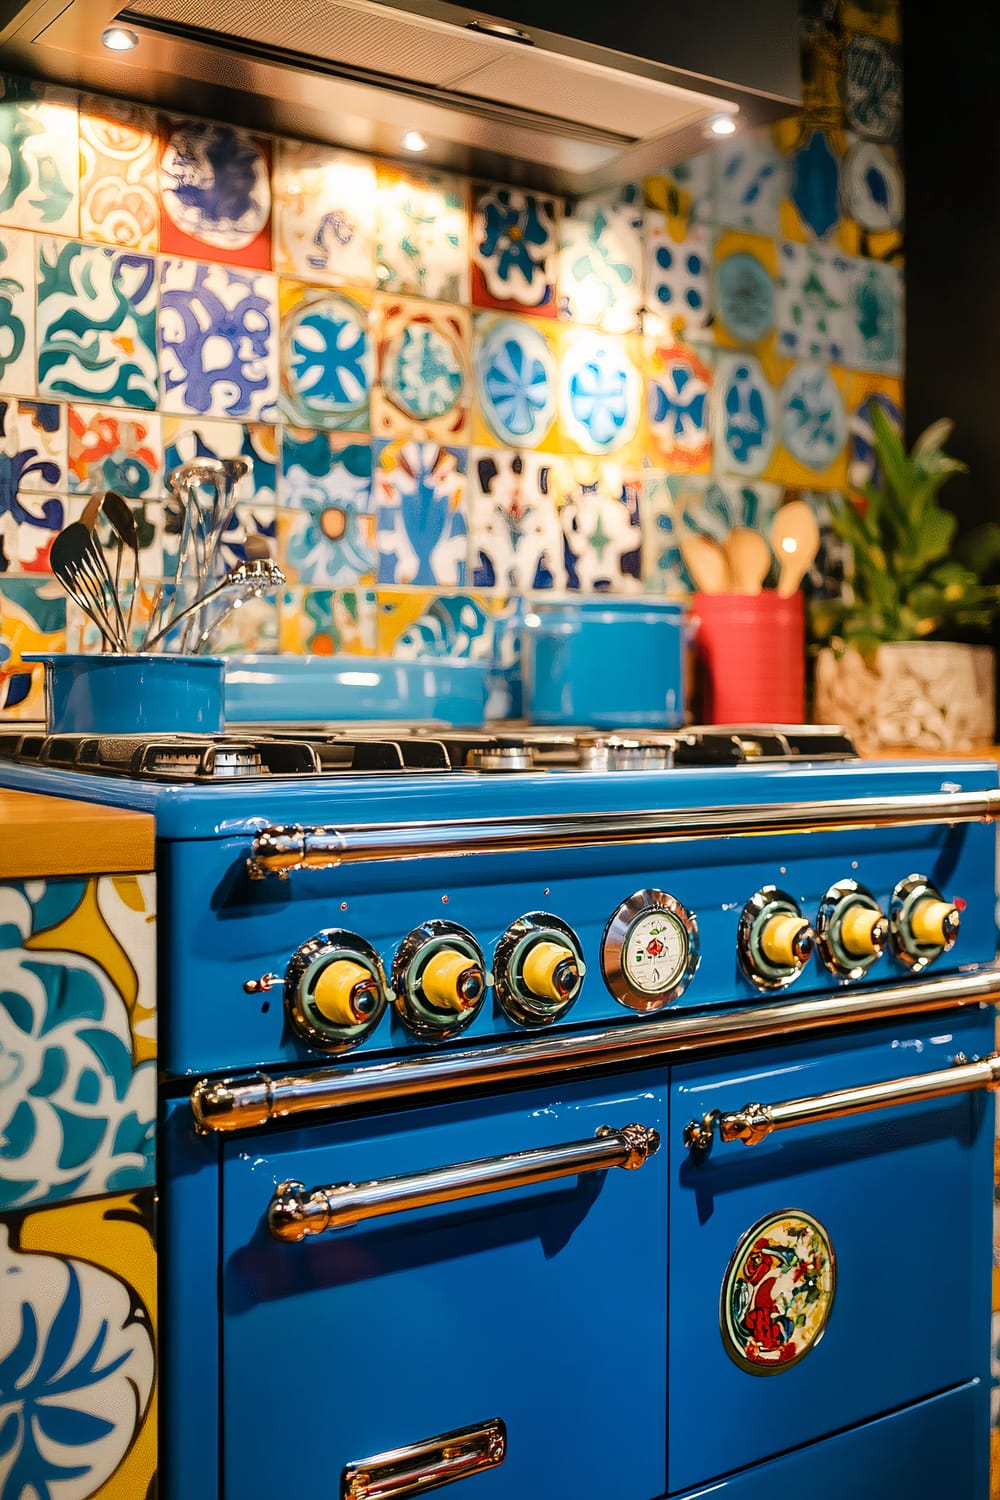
point(119, 162)
point(326, 357)
point(215, 194)
point(327, 528)
point(516, 372)
point(17, 312)
point(115, 450)
point(812, 417)
point(186, 438)
point(744, 288)
point(602, 530)
point(749, 182)
point(515, 243)
point(678, 405)
point(813, 208)
point(39, 157)
point(810, 304)
point(872, 87)
point(874, 337)
point(678, 277)
point(600, 393)
point(418, 626)
point(32, 465)
point(327, 622)
point(218, 341)
point(421, 527)
point(684, 193)
point(96, 324)
point(600, 261)
point(32, 618)
point(710, 507)
point(515, 532)
point(744, 415)
point(423, 386)
point(422, 242)
point(78, 965)
point(324, 215)
point(78, 1371)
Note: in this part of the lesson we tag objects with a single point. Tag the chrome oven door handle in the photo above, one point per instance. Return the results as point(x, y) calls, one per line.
point(296, 1212)
point(427, 1465)
point(755, 1122)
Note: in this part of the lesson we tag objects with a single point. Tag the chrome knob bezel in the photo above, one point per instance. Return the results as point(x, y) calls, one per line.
point(412, 956)
point(764, 904)
point(616, 935)
point(306, 964)
point(512, 949)
point(839, 899)
point(905, 896)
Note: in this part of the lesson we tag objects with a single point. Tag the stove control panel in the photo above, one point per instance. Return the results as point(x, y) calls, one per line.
point(774, 940)
point(539, 969)
point(650, 950)
point(335, 990)
point(922, 924)
point(440, 978)
point(852, 931)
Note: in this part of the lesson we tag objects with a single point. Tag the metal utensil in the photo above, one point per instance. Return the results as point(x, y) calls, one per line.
point(749, 559)
point(122, 523)
point(81, 567)
point(256, 576)
point(705, 561)
point(795, 543)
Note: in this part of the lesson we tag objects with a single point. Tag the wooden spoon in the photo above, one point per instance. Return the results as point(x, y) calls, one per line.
point(749, 559)
point(705, 561)
point(795, 542)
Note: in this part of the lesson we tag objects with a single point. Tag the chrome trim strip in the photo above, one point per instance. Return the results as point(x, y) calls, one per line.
point(427, 1465)
point(279, 850)
point(296, 1212)
point(254, 1100)
point(755, 1122)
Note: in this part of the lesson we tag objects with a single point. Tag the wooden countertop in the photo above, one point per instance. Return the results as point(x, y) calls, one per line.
point(42, 836)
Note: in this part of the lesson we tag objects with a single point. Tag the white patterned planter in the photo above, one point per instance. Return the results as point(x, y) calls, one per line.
point(929, 695)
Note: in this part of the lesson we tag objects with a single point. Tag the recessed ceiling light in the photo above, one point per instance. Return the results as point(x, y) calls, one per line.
point(119, 39)
point(414, 141)
point(723, 125)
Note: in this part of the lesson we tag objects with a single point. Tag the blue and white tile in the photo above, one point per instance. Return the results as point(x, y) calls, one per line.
point(515, 241)
point(421, 527)
point(96, 324)
point(814, 184)
point(185, 439)
point(678, 277)
point(872, 186)
point(749, 183)
point(600, 261)
point(810, 302)
point(215, 188)
point(516, 536)
point(39, 157)
point(218, 341)
point(324, 214)
point(744, 415)
point(422, 234)
point(32, 448)
point(874, 335)
point(743, 295)
point(711, 507)
point(326, 359)
point(600, 393)
point(813, 418)
point(602, 532)
point(516, 373)
point(327, 520)
point(17, 312)
point(873, 87)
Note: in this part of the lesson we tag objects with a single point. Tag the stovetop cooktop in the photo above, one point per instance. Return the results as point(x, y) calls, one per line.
point(294, 751)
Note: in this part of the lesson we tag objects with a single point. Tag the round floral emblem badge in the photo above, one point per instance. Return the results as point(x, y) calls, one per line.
point(777, 1292)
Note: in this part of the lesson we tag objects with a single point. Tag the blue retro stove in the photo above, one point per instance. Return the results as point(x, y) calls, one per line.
point(568, 1116)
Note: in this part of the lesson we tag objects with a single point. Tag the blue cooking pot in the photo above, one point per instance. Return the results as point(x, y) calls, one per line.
point(609, 663)
point(131, 694)
point(314, 689)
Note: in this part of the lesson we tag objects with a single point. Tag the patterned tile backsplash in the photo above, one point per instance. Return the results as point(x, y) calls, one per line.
point(462, 388)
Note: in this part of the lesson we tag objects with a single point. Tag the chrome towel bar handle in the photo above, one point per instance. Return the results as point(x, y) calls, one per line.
point(427, 1465)
point(296, 1212)
point(755, 1122)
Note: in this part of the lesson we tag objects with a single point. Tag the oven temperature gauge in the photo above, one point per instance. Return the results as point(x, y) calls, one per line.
point(650, 950)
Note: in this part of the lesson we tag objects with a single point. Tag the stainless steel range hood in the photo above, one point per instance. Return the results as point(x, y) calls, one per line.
point(571, 96)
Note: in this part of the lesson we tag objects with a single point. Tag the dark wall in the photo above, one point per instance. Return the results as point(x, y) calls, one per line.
point(951, 85)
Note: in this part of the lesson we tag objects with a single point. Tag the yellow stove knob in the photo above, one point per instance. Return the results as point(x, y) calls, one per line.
point(786, 940)
point(863, 930)
point(345, 993)
point(452, 981)
point(551, 971)
point(934, 922)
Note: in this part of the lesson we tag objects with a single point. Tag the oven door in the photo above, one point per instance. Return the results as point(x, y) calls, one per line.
point(834, 1270)
point(515, 1339)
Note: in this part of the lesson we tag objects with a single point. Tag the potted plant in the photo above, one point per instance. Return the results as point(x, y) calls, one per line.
point(889, 668)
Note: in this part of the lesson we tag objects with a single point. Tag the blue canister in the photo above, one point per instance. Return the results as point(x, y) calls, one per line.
point(605, 662)
point(132, 694)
